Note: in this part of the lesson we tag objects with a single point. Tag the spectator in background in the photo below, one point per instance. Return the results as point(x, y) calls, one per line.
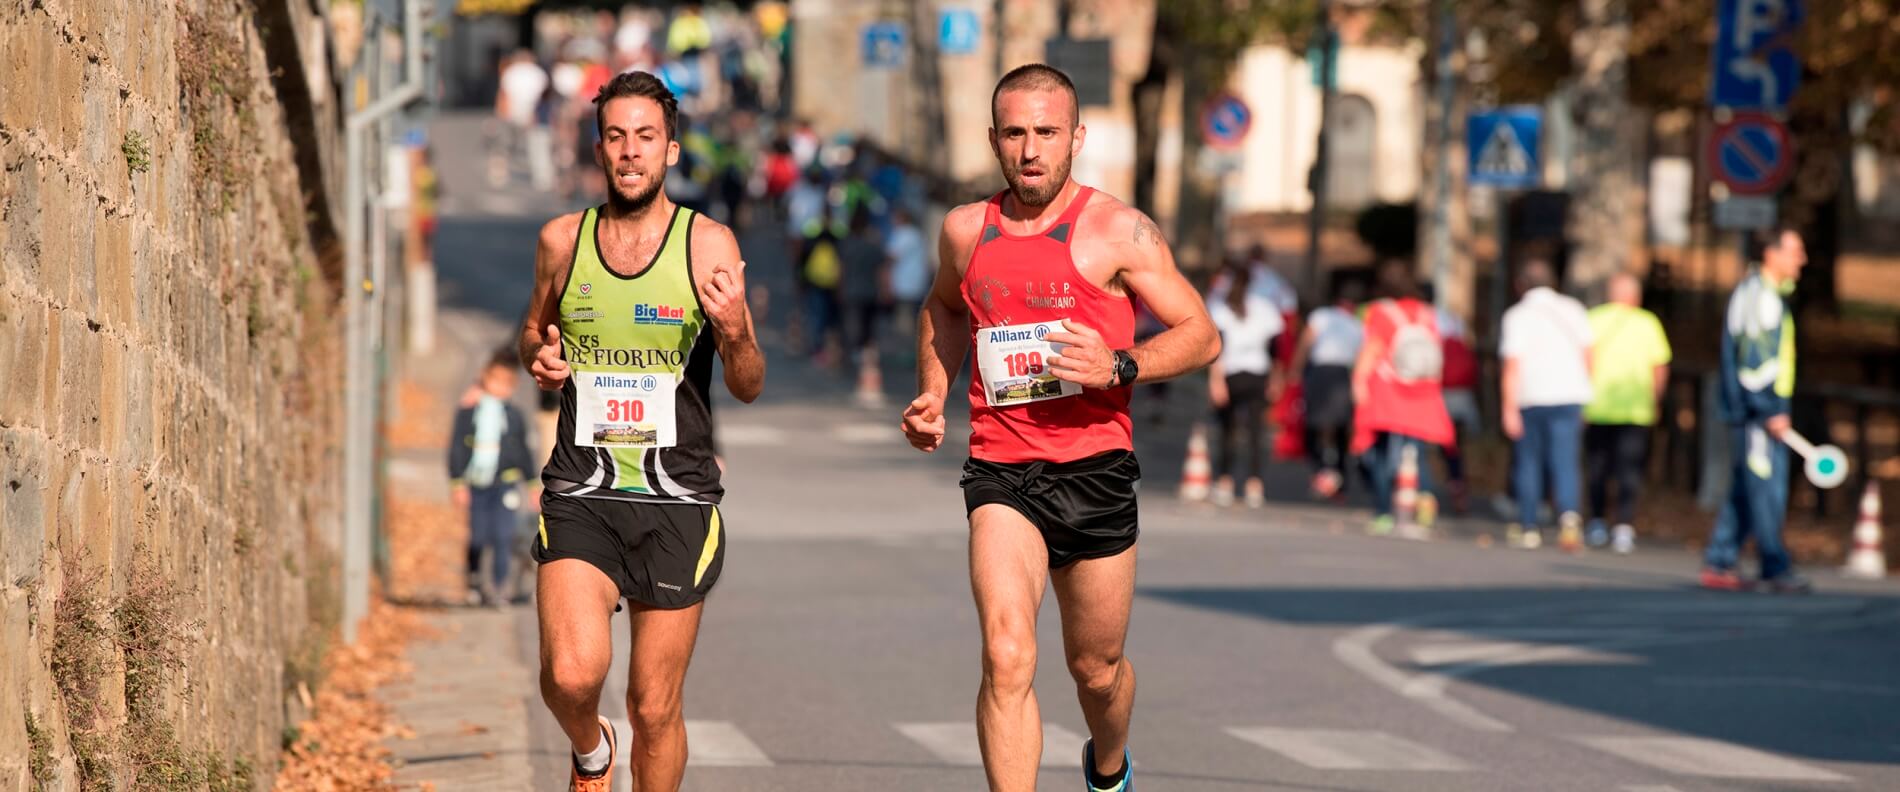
point(1545, 347)
point(820, 269)
point(1757, 384)
point(805, 145)
point(522, 82)
point(1460, 381)
point(1322, 367)
point(1628, 371)
point(911, 270)
point(1398, 402)
point(1238, 381)
point(689, 34)
point(864, 292)
point(488, 460)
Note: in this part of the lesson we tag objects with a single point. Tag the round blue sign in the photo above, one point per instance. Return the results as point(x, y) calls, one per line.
point(1225, 121)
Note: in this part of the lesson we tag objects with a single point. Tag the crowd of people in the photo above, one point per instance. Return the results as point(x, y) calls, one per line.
point(1356, 385)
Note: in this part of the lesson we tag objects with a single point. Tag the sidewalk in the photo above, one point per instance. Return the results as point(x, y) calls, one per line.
point(464, 711)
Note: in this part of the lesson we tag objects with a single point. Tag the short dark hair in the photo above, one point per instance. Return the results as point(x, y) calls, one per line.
point(1037, 77)
point(1770, 237)
point(504, 358)
point(637, 83)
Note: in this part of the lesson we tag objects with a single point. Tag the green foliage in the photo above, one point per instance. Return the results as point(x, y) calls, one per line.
point(1850, 52)
point(138, 153)
point(39, 759)
point(84, 654)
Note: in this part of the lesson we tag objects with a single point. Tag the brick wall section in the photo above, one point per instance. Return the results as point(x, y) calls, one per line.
point(169, 374)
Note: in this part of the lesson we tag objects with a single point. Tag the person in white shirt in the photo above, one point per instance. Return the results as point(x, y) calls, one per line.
point(1322, 366)
point(1546, 382)
point(1238, 382)
point(911, 270)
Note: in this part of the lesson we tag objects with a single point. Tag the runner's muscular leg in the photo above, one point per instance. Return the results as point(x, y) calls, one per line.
point(1095, 596)
point(1008, 569)
point(656, 678)
point(575, 601)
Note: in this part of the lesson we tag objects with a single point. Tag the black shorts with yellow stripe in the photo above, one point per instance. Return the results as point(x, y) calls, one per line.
point(664, 555)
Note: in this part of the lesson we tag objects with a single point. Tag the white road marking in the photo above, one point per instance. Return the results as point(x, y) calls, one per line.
point(1632, 625)
point(750, 435)
point(708, 744)
point(1499, 652)
point(1341, 749)
point(721, 744)
point(1708, 758)
point(956, 744)
point(867, 434)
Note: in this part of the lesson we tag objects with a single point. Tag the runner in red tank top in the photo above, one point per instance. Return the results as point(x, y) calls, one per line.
point(1040, 282)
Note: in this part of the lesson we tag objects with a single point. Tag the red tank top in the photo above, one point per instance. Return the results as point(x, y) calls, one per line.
point(1017, 280)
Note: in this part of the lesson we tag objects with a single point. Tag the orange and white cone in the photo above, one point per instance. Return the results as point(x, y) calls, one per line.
point(1405, 496)
point(1868, 559)
point(1196, 472)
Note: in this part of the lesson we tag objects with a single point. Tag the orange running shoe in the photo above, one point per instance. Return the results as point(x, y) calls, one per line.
point(604, 781)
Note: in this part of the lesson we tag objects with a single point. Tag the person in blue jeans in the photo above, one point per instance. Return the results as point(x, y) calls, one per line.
point(488, 459)
point(1546, 382)
point(1757, 385)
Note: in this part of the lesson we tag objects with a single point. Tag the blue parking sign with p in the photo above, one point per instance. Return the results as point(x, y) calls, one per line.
point(1755, 63)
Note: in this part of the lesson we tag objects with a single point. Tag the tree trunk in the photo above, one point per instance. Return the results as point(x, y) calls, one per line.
point(1604, 197)
point(1149, 94)
point(927, 79)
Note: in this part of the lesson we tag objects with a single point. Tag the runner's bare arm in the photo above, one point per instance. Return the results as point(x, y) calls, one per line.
point(719, 279)
point(943, 326)
point(540, 344)
point(1146, 268)
point(943, 329)
point(1190, 341)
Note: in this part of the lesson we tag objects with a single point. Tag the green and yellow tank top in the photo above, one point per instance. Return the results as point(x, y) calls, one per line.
point(634, 420)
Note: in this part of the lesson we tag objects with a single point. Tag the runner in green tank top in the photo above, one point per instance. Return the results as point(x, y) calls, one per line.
point(631, 300)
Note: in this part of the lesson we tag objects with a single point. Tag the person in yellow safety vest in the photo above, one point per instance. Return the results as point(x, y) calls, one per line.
point(689, 32)
point(1757, 386)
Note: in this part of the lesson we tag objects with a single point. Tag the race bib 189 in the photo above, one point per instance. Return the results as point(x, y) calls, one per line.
point(1012, 360)
point(619, 410)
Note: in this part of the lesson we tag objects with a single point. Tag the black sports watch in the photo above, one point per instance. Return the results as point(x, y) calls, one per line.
point(1125, 369)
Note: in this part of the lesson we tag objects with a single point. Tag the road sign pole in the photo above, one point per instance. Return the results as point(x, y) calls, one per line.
point(1316, 219)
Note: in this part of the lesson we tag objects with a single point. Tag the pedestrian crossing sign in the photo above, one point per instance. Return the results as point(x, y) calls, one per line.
point(1503, 147)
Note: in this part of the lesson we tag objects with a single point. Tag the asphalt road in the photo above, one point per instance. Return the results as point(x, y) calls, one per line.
point(1276, 649)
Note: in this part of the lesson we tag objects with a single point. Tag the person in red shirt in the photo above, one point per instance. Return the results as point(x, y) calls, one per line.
point(1042, 281)
point(1397, 390)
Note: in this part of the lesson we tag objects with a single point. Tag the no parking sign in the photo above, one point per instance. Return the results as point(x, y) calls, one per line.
point(1750, 153)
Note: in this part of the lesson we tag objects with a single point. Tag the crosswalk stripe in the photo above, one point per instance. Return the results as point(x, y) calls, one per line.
point(867, 434)
point(721, 744)
point(708, 744)
point(750, 435)
point(1708, 758)
point(1342, 749)
point(955, 743)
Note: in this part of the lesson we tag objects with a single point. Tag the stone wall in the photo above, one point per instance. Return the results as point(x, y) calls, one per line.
point(169, 381)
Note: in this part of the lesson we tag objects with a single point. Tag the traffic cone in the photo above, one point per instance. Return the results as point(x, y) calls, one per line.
point(1868, 558)
point(1196, 473)
point(1405, 495)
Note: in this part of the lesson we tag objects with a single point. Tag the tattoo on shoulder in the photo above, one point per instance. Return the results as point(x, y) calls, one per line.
point(1147, 232)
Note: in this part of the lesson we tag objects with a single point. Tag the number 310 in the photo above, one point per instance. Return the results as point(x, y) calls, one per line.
point(628, 410)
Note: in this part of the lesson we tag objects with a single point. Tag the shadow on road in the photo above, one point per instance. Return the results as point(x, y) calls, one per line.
point(1804, 676)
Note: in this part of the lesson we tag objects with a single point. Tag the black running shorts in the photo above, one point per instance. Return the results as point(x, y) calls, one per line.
point(1084, 508)
point(664, 555)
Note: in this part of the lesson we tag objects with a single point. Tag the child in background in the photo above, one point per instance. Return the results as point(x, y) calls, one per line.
point(488, 459)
